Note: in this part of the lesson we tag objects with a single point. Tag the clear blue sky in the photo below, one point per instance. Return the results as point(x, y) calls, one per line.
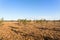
point(30, 9)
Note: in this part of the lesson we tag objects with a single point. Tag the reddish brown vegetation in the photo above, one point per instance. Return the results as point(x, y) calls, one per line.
point(30, 31)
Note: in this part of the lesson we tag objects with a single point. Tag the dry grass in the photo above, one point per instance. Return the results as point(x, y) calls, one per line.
point(30, 31)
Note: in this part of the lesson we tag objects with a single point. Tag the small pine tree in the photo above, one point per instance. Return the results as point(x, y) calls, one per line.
point(24, 21)
point(19, 21)
point(1, 21)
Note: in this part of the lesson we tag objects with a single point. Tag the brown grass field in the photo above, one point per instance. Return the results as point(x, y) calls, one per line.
point(33, 30)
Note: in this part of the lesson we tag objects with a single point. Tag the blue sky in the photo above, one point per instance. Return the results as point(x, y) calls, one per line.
point(30, 9)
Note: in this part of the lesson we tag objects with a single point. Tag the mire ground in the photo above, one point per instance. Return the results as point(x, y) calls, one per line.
point(30, 31)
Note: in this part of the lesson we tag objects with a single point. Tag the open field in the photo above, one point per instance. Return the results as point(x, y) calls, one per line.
point(34, 30)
